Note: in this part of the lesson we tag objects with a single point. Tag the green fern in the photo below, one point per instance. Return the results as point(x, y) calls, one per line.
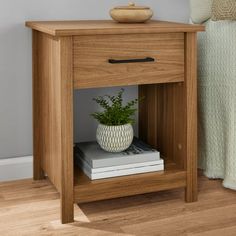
point(114, 113)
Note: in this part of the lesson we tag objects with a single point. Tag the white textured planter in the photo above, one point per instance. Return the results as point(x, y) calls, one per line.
point(115, 138)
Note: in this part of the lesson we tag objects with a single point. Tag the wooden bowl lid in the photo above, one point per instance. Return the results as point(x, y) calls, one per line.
point(132, 6)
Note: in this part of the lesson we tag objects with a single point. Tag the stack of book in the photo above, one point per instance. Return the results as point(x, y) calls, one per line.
point(99, 164)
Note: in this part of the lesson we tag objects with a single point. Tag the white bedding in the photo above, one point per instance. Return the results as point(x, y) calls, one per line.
point(200, 10)
point(217, 101)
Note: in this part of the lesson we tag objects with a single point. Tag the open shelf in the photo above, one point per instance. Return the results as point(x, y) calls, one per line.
point(86, 190)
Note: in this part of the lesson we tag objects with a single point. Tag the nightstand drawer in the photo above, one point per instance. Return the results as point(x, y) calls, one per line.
point(110, 60)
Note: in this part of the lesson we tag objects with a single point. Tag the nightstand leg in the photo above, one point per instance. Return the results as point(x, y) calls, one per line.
point(66, 117)
point(38, 173)
point(53, 116)
point(191, 115)
point(37, 89)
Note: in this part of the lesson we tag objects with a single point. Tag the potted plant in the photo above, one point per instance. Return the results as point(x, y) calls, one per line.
point(115, 131)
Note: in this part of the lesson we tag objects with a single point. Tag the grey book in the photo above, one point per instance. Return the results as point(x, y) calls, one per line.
point(84, 165)
point(138, 152)
point(118, 172)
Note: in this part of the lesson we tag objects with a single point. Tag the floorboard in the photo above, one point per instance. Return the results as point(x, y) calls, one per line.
point(32, 208)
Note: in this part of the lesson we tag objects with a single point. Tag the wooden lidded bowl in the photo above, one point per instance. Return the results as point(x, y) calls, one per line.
point(131, 14)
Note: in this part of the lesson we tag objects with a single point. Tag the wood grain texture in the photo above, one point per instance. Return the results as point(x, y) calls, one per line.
point(32, 208)
point(94, 27)
point(91, 55)
point(53, 122)
point(168, 115)
point(46, 108)
point(175, 114)
point(148, 114)
point(171, 122)
point(84, 189)
point(66, 113)
point(191, 114)
point(162, 120)
point(37, 111)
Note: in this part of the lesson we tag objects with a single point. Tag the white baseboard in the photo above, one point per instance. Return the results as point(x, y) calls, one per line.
point(16, 168)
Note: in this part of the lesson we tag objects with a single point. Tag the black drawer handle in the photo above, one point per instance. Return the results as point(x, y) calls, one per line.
point(147, 59)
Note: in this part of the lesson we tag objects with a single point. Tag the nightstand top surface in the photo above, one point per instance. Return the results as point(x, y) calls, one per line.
point(90, 27)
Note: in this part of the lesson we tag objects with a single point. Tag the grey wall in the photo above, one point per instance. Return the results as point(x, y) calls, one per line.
point(15, 63)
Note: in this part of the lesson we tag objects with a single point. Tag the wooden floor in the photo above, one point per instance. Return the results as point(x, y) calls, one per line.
point(32, 208)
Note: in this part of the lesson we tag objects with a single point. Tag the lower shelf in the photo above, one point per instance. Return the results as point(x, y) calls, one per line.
point(86, 190)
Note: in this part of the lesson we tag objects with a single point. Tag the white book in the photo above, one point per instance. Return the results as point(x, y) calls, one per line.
point(138, 152)
point(83, 164)
point(117, 173)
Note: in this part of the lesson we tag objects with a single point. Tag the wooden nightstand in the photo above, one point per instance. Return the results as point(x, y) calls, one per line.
point(160, 57)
